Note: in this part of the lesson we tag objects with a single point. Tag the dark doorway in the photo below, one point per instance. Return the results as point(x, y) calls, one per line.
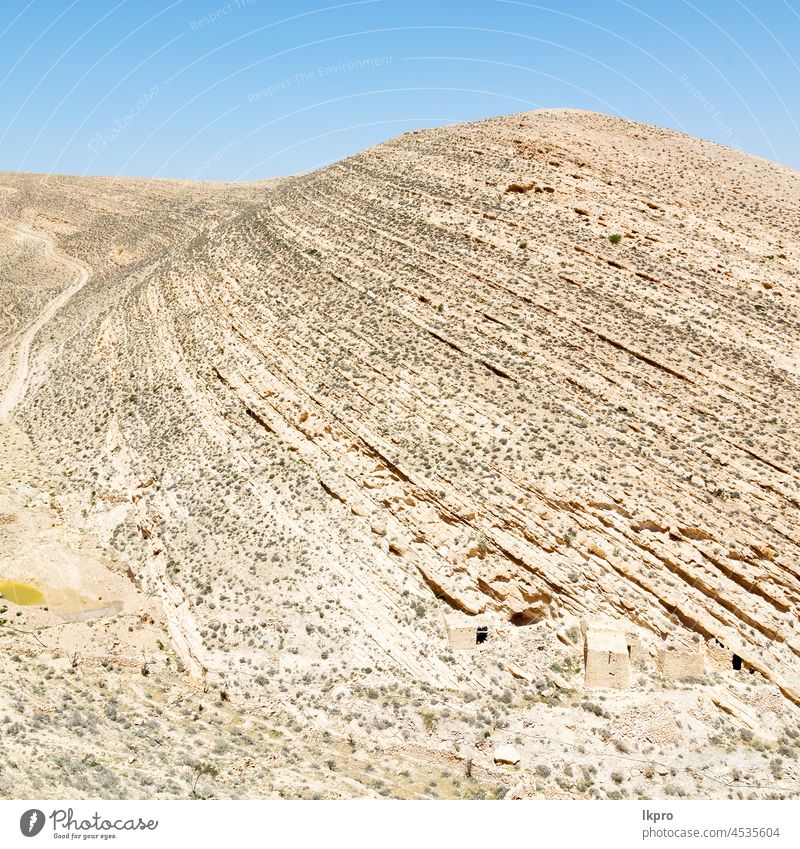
point(482, 634)
point(737, 662)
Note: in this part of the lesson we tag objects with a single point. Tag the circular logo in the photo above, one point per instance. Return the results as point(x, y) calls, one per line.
point(31, 822)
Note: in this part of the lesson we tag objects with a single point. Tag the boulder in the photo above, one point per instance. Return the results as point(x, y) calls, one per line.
point(506, 755)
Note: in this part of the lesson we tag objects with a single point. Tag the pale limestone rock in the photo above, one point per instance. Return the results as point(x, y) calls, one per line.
point(506, 754)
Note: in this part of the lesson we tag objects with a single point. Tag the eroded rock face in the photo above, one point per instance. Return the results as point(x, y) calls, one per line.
point(426, 373)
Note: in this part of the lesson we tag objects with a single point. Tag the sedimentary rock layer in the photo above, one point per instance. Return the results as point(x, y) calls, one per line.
point(426, 377)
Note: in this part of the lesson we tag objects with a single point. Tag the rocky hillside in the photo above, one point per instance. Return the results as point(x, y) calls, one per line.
point(534, 368)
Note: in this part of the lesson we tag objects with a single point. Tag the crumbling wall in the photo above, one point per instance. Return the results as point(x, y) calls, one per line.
point(636, 651)
point(606, 659)
point(719, 654)
point(682, 661)
point(462, 632)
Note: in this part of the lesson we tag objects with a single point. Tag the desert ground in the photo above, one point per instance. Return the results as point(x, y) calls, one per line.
point(272, 453)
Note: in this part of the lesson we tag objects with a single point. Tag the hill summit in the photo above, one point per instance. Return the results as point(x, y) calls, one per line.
point(523, 374)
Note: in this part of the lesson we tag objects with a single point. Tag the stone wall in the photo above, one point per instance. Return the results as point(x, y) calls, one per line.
point(682, 661)
point(606, 659)
point(462, 631)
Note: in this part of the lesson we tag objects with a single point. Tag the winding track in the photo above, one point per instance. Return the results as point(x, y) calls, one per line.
point(16, 389)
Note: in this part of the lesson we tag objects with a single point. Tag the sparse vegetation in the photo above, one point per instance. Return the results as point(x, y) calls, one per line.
point(310, 419)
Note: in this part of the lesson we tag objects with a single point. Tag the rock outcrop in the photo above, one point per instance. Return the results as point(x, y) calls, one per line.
point(426, 377)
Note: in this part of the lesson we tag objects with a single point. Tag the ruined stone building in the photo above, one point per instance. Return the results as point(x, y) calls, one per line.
point(682, 660)
point(606, 658)
point(466, 632)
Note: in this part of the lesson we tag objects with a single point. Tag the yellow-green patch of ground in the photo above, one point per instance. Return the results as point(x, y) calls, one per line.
point(18, 593)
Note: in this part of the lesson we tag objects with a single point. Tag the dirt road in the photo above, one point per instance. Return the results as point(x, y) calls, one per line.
point(23, 340)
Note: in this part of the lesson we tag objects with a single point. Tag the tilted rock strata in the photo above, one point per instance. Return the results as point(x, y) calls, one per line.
point(427, 370)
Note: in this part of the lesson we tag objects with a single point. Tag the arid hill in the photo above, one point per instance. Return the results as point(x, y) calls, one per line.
point(534, 370)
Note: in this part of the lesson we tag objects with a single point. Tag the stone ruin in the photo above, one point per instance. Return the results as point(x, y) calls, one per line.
point(466, 632)
point(610, 648)
point(682, 659)
point(724, 654)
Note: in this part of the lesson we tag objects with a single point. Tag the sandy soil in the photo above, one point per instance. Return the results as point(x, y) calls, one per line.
point(531, 370)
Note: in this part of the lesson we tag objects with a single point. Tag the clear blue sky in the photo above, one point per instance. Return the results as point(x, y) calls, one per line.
point(250, 89)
